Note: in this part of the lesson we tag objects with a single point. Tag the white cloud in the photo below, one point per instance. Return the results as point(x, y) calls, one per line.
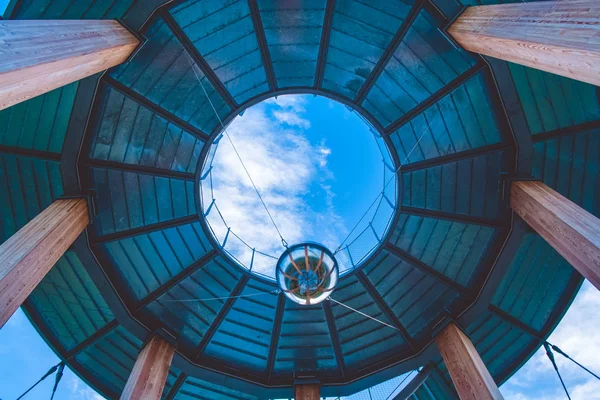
point(577, 335)
point(291, 118)
point(81, 391)
point(271, 140)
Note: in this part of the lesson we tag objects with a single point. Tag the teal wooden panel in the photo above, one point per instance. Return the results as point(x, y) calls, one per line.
point(571, 165)
point(361, 31)
point(293, 34)
point(69, 302)
point(415, 297)
point(421, 65)
point(452, 248)
point(171, 378)
point(461, 120)
point(190, 319)
point(469, 187)
point(245, 333)
point(304, 341)
point(162, 72)
point(111, 359)
point(498, 343)
point(196, 389)
point(363, 340)
point(129, 200)
point(80, 9)
point(27, 186)
point(224, 35)
point(552, 102)
point(40, 123)
point(146, 261)
point(535, 280)
point(130, 133)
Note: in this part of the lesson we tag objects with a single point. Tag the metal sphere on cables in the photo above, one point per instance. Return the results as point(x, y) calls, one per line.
point(307, 273)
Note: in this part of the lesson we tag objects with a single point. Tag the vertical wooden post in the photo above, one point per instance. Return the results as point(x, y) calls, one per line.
point(572, 231)
point(149, 375)
point(469, 374)
point(28, 255)
point(307, 391)
point(555, 36)
point(37, 56)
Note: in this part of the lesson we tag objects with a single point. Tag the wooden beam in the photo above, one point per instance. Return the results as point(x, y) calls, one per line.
point(560, 37)
point(471, 378)
point(308, 391)
point(572, 231)
point(28, 255)
point(37, 56)
point(149, 375)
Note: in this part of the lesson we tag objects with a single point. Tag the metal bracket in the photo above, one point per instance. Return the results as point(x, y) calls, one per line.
point(138, 35)
point(444, 30)
point(446, 319)
point(507, 180)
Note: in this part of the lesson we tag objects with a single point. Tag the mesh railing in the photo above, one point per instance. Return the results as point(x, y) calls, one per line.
point(354, 249)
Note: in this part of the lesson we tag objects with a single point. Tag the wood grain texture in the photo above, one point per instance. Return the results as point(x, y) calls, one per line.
point(561, 37)
point(572, 231)
point(149, 375)
point(469, 374)
point(307, 392)
point(37, 56)
point(28, 255)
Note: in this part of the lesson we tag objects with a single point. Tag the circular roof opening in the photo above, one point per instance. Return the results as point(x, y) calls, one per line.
point(322, 172)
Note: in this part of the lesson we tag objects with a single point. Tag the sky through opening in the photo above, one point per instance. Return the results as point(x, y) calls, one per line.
point(318, 167)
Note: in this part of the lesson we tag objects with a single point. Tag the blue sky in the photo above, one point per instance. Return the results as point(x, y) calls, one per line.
point(316, 164)
point(314, 174)
point(3, 5)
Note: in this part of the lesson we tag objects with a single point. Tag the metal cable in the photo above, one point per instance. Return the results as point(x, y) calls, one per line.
point(551, 357)
point(363, 314)
point(47, 374)
point(59, 375)
point(400, 384)
point(559, 351)
point(220, 298)
point(194, 66)
point(384, 187)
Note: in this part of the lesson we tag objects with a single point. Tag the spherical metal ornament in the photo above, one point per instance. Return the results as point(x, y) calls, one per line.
point(307, 273)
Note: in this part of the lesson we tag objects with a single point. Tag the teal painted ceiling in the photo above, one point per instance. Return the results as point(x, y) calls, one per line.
point(133, 140)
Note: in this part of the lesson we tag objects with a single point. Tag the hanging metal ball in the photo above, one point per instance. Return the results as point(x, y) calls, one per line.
point(307, 273)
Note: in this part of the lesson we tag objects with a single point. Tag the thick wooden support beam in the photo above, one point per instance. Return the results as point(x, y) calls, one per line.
point(149, 375)
point(572, 231)
point(309, 391)
point(37, 56)
point(28, 255)
point(562, 37)
point(469, 374)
